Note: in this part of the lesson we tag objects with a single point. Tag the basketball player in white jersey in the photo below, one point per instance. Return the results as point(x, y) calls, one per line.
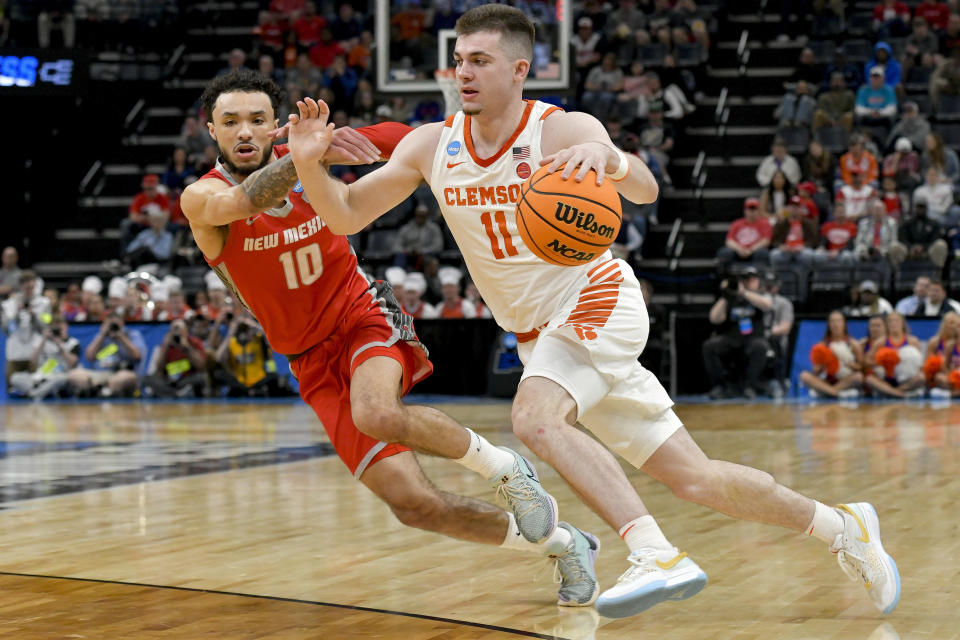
point(581, 328)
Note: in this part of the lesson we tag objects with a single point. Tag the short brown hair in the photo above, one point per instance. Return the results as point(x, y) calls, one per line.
point(515, 28)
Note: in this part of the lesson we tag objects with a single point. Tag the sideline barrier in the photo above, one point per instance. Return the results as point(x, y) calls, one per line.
point(460, 351)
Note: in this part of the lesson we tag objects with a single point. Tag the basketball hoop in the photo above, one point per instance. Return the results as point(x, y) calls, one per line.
point(447, 79)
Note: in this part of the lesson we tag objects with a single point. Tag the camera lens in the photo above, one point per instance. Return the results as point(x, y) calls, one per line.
point(114, 327)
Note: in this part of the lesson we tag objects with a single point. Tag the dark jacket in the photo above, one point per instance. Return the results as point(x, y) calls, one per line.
point(922, 231)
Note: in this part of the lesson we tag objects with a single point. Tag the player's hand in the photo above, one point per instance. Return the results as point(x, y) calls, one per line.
point(586, 156)
point(350, 147)
point(309, 135)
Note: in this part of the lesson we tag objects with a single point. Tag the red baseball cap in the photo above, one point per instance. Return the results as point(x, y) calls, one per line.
point(751, 203)
point(808, 186)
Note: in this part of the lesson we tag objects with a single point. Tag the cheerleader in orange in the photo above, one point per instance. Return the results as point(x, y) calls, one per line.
point(895, 362)
point(935, 369)
point(837, 361)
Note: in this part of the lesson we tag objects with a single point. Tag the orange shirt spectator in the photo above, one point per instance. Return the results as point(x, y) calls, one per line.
point(864, 161)
point(360, 53)
point(411, 23)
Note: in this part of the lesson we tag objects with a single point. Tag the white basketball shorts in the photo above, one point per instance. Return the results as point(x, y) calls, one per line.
point(590, 348)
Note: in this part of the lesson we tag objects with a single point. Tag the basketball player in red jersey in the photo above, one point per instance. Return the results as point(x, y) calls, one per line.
point(351, 346)
point(580, 329)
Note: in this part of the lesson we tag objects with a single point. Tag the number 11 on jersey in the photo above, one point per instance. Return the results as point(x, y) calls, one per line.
point(501, 220)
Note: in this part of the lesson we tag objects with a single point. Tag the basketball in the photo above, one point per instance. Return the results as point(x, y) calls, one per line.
point(565, 222)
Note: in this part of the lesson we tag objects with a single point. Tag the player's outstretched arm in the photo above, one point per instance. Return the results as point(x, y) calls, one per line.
point(206, 203)
point(347, 209)
point(582, 143)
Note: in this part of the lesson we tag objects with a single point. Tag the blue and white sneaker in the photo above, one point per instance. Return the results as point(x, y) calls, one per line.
point(862, 557)
point(574, 570)
point(657, 575)
point(534, 509)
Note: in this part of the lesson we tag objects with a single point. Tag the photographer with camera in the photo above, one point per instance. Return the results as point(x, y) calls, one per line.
point(117, 355)
point(738, 314)
point(248, 367)
point(55, 354)
point(177, 366)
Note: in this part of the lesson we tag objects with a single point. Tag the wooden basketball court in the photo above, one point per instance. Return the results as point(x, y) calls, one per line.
point(234, 521)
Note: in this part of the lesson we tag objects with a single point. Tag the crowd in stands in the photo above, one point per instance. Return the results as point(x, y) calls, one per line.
point(121, 25)
point(212, 345)
point(876, 181)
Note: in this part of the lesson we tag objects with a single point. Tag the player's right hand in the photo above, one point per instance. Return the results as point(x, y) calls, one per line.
point(309, 134)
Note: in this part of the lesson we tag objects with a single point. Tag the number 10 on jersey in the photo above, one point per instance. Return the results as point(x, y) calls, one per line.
point(500, 219)
point(304, 265)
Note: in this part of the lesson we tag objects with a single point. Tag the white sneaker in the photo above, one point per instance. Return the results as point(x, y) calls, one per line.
point(939, 394)
point(914, 394)
point(813, 394)
point(861, 555)
point(657, 575)
point(848, 394)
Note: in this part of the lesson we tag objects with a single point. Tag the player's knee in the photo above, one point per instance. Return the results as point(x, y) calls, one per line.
point(386, 423)
point(418, 510)
point(526, 420)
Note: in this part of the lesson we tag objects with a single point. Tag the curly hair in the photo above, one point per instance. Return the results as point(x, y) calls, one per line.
point(243, 80)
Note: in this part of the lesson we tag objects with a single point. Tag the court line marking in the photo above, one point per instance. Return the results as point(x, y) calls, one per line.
point(480, 625)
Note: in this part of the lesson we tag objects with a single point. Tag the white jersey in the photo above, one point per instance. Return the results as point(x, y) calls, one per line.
point(478, 198)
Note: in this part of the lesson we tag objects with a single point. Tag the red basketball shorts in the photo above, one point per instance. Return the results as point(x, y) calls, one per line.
point(324, 373)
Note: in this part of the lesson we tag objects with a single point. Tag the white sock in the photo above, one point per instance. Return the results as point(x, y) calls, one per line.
point(557, 542)
point(827, 523)
point(515, 540)
point(643, 532)
point(484, 458)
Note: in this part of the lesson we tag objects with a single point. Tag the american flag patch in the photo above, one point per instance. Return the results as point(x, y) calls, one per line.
point(521, 153)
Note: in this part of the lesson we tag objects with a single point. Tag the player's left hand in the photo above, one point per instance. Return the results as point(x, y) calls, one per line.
point(350, 147)
point(586, 156)
point(310, 134)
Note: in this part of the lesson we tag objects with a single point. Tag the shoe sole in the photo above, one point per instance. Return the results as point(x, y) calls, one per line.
point(873, 528)
point(593, 561)
point(650, 596)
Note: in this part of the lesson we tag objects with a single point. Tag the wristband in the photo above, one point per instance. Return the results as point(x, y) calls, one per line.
point(623, 169)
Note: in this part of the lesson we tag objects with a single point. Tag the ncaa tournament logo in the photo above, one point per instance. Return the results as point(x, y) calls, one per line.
point(298, 188)
point(453, 148)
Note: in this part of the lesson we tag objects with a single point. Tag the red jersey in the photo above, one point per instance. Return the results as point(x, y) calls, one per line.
point(936, 14)
point(747, 234)
point(298, 278)
point(141, 203)
point(838, 234)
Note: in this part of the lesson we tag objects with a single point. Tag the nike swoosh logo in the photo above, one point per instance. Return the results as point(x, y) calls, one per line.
point(672, 563)
point(451, 165)
point(251, 219)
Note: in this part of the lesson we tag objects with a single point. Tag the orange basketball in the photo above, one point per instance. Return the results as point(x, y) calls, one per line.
point(566, 222)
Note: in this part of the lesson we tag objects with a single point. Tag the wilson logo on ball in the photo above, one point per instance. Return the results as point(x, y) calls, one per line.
point(571, 215)
point(570, 253)
point(565, 222)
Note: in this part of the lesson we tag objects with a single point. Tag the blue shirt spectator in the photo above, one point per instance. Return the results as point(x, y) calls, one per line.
point(851, 72)
point(158, 241)
point(883, 56)
point(876, 99)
